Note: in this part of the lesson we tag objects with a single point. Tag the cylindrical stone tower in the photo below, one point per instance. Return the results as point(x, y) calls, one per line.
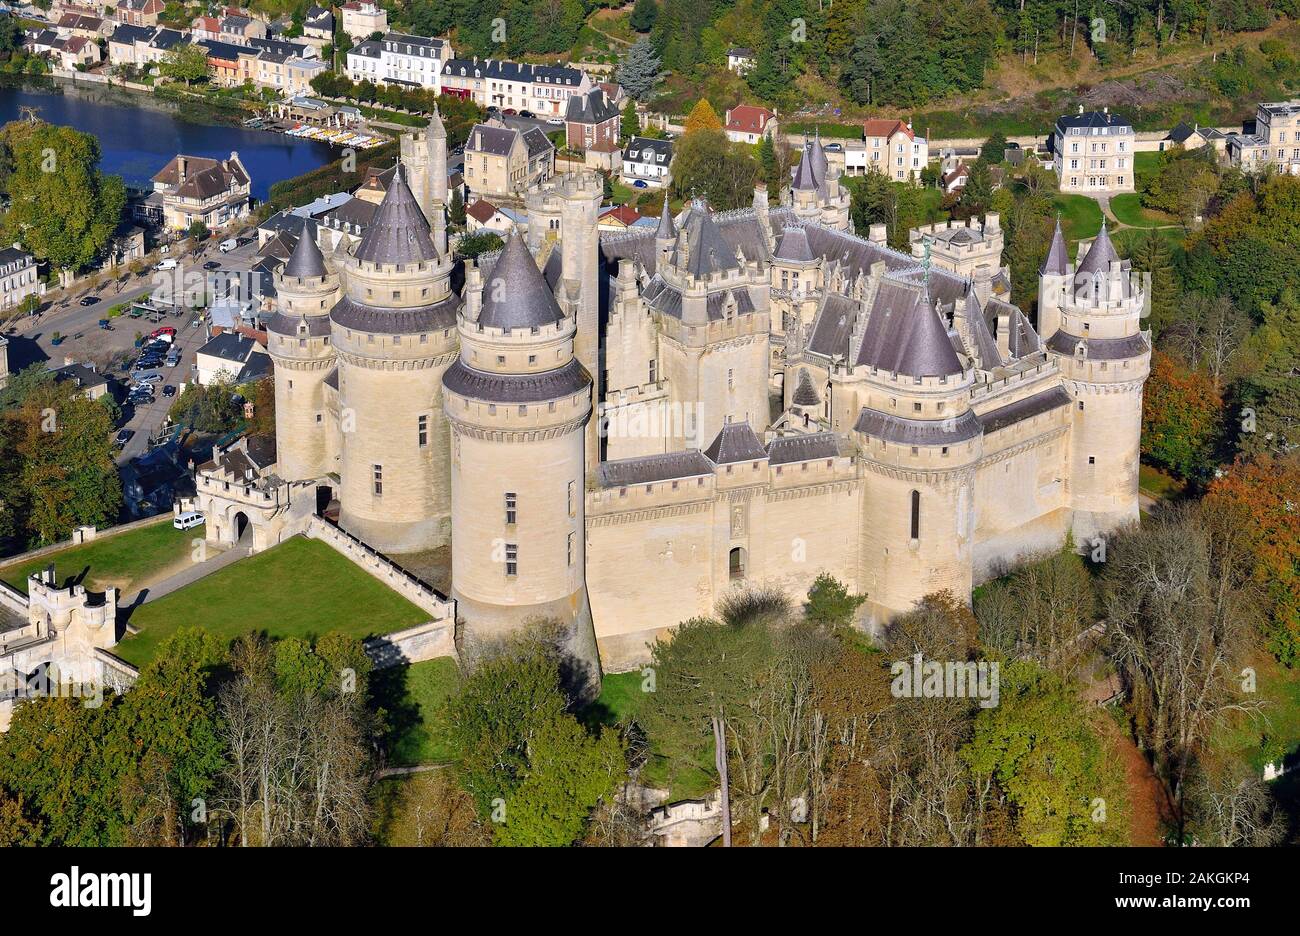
point(298, 339)
point(518, 401)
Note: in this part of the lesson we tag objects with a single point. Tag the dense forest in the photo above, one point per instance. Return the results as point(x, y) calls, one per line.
point(868, 50)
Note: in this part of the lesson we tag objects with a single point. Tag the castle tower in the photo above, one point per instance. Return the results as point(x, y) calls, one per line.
point(1053, 281)
point(972, 250)
point(518, 401)
point(581, 194)
point(920, 442)
point(816, 194)
point(298, 339)
point(394, 332)
point(424, 154)
point(1105, 357)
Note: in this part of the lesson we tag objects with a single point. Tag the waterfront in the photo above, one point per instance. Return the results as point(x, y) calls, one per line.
point(137, 141)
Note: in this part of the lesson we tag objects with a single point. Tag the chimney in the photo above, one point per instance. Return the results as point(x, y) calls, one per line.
point(877, 234)
point(1004, 332)
point(991, 222)
point(181, 162)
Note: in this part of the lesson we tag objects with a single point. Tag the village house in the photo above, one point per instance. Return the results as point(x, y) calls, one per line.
point(196, 188)
point(363, 18)
point(542, 89)
point(139, 12)
point(1274, 140)
point(649, 161)
point(740, 59)
point(747, 123)
point(483, 215)
point(890, 147)
point(411, 61)
point(500, 161)
point(591, 120)
point(18, 277)
point(1093, 153)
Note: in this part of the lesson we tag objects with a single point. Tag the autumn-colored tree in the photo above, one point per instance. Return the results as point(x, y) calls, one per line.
point(1182, 417)
point(1262, 492)
point(702, 117)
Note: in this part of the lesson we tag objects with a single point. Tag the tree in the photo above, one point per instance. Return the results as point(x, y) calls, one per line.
point(1039, 609)
point(1272, 392)
point(830, 603)
point(630, 125)
point(702, 117)
point(994, 149)
point(479, 242)
point(1151, 254)
point(1260, 492)
point(639, 70)
point(1038, 746)
point(706, 164)
point(198, 230)
point(185, 62)
point(1182, 419)
point(644, 14)
point(456, 210)
point(62, 207)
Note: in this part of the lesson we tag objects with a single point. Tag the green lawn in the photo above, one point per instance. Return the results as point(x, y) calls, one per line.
point(414, 699)
point(1145, 162)
point(1080, 216)
point(301, 588)
point(122, 561)
point(1278, 688)
point(1128, 209)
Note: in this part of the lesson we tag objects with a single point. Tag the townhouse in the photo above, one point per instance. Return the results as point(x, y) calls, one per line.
point(413, 61)
point(501, 162)
point(542, 89)
point(648, 161)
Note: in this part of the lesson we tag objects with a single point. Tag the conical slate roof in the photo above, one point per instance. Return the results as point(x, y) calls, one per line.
point(666, 229)
point(820, 163)
point(399, 232)
point(805, 176)
point(306, 259)
point(805, 394)
point(515, 295)
point(1057, 256)
point(1100, 254)
point(793, 246)
point(905, 334)
point(701, 249)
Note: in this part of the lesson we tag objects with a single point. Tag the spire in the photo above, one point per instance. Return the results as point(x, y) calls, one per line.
point(306, 259)
point(1057, 255)
point(436, 129)
point(1100, 254)
point(667, 230)
point(515, 293)
point(399, 232)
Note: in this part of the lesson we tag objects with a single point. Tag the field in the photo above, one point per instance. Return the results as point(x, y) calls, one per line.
point(1080, 216)
point(413, 699)
point(301, 588)
point(125, 561)
point(1128, 209)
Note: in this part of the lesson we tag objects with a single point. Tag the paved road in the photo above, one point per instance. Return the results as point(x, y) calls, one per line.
point(198, 570)
point(31, 340)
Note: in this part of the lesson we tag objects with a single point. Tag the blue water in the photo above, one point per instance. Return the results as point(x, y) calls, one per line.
point(139, 141)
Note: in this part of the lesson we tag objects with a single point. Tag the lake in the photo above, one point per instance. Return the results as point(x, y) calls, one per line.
point(139, 137)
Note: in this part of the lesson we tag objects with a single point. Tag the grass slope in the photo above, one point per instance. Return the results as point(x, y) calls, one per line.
point(123, 561)
point(301, 588)
point(414, 699)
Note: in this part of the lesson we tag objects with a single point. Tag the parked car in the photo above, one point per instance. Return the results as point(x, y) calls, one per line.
point(169, 390)
point(88, 300)
point(167, 333)
point(639, 183)
point(149, 377)
point(226, 246)
point(169, 264)
point(555, 121)
point(188, 520)
point(509, 112)
point(123, 437)
point(212, 265)
point(526, 113)
point(105, 324)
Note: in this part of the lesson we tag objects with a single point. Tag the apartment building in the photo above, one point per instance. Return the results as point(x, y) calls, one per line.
point(1093, 153)
point(1275, 141)
point(890, 147)
point(414, 61)
point(543, 89)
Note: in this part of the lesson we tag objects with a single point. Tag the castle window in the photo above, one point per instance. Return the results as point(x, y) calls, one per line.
point(944, 451)
point(377, 473)
point(501, 358)
point(654, 372)
point(423, 430)
point(893, 403)
point(1092, 459)
point(572, 545)
point(573, 490)
point(1081, 406)
point(512, 507)
point(916, 515)
point(532, 359)
point(512, 558)
point(397, 294)
point(318, 417)
point(424, 339)
point(523, 409)
point(916, 407)
point(302, 342)
point(736, 563)
point(941, 406)
point(731, 379)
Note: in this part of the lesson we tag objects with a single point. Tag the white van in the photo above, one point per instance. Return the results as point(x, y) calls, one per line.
point(226, 246)
point(169, 264)
point(187, 520)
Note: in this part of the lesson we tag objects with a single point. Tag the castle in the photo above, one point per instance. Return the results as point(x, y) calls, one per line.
point(614, 430)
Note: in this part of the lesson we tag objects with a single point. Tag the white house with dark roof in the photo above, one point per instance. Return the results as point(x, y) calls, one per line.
point(197, 188)
point(1093, 153)
point(226, 357)
point(649, 161)
point(19, 277)
point(543, 89)
point(410, 61)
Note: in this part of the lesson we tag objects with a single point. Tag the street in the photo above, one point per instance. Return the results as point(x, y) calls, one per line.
point(113, 352)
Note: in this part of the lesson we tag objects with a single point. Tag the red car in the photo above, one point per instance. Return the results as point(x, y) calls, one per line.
point(165, 330)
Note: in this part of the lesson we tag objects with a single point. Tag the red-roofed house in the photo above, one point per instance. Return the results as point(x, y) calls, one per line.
point(747, 123)
point(483, 215)
point(206, 27)
point(888, 146)
point(618, 218)
point(139, 12)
